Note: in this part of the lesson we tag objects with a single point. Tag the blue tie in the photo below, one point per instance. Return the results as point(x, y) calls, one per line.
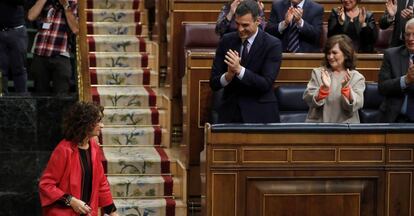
point(293, 37)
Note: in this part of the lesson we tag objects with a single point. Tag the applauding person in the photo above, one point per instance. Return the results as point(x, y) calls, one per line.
point(298, 23)
point(335, 92)
point(226, 20)
point(356, 22)
point(396, 14)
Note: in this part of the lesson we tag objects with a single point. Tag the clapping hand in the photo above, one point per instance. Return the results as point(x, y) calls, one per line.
point(297, 14)
point(407, 13)
point(341, 15)
point(362, 16)
point(326, 79)
point(288, 16)
point(346, 79)
point(391, 7)
point(232, 59)
point(409, 79)
point(233, 7)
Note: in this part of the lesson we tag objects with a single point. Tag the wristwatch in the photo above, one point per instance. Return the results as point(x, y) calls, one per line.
point(68, 198)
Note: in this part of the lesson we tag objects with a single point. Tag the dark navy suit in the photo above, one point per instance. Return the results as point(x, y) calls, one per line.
point(310, 33)
point(394, 65)
point(252, 95)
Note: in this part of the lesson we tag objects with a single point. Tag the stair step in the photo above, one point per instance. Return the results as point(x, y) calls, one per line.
point(110, 28)
point(123, 76)
point(125, 43)
point(115, 15)
point(151, 207)
point(116, 4)
point(144, 186)
point(149, 116)
point(137, 160)
point(126, 96)
point(116, 59)
point(135, 136)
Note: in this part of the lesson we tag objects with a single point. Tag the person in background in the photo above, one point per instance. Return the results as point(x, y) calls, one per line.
point(51, 61)
point(297, 23)
point(245, 67)
point(335, 91)
point(396, 80)
point(73, 181)
point(13, 44)
point(356, 22)
point(396, 14)
point(226, 19)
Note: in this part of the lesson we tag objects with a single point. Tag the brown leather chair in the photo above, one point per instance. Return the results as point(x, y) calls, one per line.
point(383, 40)
point(324, 35)
point(196, 36)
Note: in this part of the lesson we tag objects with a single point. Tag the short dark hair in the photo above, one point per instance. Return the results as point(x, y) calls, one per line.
point(248, 6)
point(345, 45)
point(80, 120)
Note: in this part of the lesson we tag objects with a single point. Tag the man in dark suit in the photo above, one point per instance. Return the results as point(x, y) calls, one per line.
point(396, 80)
point(301, 17)
point(397, 13)
point(246, 65)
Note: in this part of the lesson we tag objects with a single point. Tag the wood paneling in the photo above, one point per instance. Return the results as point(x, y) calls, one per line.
point(224, 193)
point(299, 176)
point(400, 193)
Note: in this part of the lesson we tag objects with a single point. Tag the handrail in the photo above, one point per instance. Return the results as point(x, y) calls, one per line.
point(82, 51)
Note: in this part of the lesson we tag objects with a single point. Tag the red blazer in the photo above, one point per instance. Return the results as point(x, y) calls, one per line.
point(63, 174)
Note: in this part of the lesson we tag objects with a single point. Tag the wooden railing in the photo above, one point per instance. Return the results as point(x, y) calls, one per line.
point(82, 54)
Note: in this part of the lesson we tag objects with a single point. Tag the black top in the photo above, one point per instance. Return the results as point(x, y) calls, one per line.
point(11, 13)
point(86, 165)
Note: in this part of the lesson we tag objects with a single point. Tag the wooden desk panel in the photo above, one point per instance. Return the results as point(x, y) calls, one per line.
point(368, 186)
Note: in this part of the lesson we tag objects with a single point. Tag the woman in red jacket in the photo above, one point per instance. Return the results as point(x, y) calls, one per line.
point(74, 182)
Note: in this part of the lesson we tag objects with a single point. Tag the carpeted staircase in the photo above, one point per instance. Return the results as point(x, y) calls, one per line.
point(145, 178)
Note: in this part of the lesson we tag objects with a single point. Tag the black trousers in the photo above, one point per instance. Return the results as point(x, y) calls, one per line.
point(51, 74)
point(13, 51)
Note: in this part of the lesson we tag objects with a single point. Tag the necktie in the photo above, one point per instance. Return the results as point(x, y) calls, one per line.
point(410, 100)
point(293, 37)
point(245, 52)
